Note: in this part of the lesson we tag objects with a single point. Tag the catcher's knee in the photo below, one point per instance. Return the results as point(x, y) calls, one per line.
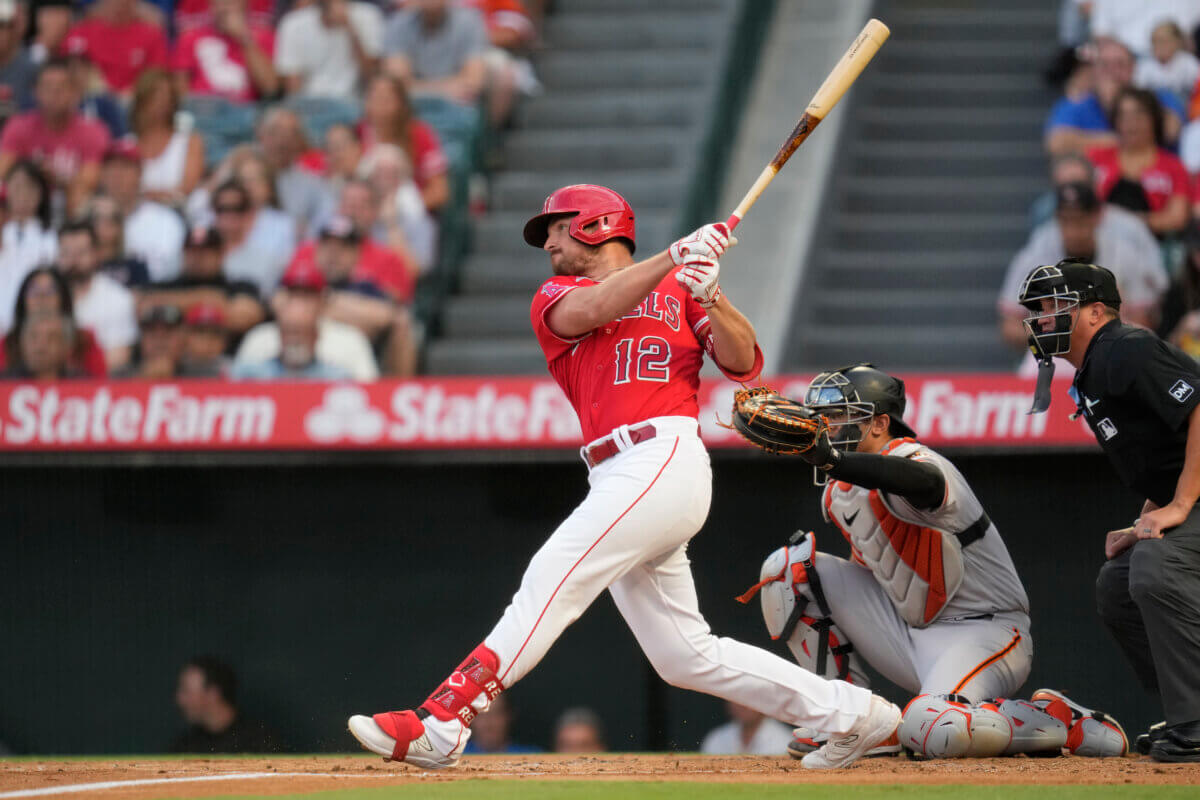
point(792, 612)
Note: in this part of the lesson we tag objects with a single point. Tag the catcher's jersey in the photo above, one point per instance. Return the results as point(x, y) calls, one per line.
point(645, 364)
point(914, 553)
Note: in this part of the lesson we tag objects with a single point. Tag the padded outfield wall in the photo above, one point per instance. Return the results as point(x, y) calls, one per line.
point(338, 586)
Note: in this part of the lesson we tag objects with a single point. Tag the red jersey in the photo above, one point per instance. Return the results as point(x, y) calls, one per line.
point(215, 64)
point(59, 152)
point(194, 14)
point(1166, 176)
point(120, 51)
point(645, 364)
point(376, 264)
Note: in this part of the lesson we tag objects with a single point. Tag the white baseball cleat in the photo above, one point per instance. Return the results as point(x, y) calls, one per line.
point(406, 738)
point(806, 740)
point(843, 750)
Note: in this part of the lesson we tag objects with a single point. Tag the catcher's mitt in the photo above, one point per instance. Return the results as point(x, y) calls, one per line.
point(776, 424)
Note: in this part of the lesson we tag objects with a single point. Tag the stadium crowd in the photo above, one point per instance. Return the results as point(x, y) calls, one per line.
point(238, 188)
point(1123, 142)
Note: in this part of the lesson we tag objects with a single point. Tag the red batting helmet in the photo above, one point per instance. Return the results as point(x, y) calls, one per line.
point(588, 204)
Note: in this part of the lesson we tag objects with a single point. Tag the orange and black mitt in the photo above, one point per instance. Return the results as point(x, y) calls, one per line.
point(776, 424)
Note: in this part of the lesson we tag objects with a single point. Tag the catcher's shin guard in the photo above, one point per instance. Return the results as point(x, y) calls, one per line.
point(1037, 728)
point(795, 610)
point(1090, 733)
point(948, 726)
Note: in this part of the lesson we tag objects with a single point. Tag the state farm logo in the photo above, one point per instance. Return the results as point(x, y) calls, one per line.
point(345, 413)
point(940, 410)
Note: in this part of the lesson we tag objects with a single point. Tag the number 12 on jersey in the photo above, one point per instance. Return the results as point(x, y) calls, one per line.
point(653, 360)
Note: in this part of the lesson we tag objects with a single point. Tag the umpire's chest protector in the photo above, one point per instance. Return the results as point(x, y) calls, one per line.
point(919, 566)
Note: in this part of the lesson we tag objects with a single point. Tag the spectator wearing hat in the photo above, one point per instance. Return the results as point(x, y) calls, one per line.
point(356, 298)
point(1180, 323)
point(159, 351)
point(245, 257)
point(45, 291)
point(57, 136)
point(511, 34)
point(18, 70)
point(121, 44)
point(153, 232)
point(101, 304)
point(43, 348)
point(1085, 228)
point(202, 283)
point(299, 307)
point(109, 223)
point(206, 339)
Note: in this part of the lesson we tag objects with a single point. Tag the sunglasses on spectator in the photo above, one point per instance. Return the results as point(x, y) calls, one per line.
point(238, 209)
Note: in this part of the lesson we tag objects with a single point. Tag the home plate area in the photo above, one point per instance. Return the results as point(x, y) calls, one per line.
point(114, 778)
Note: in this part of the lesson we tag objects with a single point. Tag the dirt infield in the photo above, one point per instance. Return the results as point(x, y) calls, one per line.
point(291, 775)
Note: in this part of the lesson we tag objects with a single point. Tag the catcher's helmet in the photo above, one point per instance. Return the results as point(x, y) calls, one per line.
point(1071, 283)
point(860, 391)
point(587, 204)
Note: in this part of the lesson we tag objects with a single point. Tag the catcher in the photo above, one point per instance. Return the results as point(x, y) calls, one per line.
point(930, 599)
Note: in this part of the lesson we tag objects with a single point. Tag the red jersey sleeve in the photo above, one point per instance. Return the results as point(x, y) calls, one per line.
point(550, 293)
point(183, 59)
point(1170, 164)
point(697, 320)
point(1108, 169)
point(15, 138)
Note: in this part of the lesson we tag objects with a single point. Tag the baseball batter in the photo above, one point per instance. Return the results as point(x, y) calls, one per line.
point(930, 597)
point(625, 342)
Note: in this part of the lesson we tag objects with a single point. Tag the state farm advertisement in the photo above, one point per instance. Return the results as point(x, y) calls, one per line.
point(462, 413)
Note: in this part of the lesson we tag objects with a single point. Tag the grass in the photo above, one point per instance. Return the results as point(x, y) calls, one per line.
point(637, 790)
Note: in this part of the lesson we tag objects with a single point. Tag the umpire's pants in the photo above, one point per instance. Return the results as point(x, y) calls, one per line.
point(1149, 597)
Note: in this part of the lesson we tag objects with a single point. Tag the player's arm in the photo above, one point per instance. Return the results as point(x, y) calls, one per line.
point(919, 482)
point(733, 336)
point(588, 307)
point(1187, 489)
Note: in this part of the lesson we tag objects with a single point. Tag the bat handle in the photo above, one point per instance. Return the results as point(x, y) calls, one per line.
point(732, 222)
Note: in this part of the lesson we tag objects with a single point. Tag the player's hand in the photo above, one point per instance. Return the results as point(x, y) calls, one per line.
point(711, 241)
point(1117, 542)
point(698, 275)
point(822, 454)
point(1153, 524)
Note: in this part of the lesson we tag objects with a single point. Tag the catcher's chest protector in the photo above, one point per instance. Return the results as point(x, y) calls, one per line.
point(920, 567)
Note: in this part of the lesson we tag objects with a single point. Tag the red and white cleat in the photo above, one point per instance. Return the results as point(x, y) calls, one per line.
point(404, 736)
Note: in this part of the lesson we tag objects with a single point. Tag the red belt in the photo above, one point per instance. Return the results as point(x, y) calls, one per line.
point(607, 447)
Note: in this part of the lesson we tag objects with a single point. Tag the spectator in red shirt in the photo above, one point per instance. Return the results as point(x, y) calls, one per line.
point(192, 15)
point(356, 298)
point(1138, 173)
point(388, 118)
point(385, 249)
point(45, 291)
point(231, 58)
point(117, 41)
point(64, 142)
point(510, 34)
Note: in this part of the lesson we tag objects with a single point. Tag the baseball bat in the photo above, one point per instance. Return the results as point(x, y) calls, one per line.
point(861, 51)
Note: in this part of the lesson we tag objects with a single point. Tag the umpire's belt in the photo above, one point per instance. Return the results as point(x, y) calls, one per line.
point(975, 532)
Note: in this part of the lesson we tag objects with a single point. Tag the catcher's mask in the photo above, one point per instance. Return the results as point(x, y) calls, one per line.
point(851, 396)
point(1055, 293)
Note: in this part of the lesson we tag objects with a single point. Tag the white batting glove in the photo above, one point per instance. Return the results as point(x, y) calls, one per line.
point(698, 274)
point(710, 241)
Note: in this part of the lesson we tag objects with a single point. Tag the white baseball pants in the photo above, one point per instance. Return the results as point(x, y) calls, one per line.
point(977, 658)
point(629, 536)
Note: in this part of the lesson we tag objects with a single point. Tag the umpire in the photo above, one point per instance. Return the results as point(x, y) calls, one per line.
point(1139, 396)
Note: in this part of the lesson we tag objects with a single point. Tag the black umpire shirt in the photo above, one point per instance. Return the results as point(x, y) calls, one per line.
point(1136, 393)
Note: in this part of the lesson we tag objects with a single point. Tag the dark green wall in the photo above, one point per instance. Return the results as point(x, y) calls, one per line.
point(342, 589)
